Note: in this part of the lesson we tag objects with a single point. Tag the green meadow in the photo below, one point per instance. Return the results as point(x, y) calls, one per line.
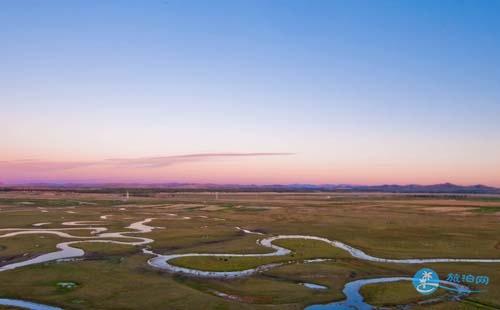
point(113, 276)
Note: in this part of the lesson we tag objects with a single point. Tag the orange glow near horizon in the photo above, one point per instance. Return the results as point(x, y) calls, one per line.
point(236, 170)
point(185, 94)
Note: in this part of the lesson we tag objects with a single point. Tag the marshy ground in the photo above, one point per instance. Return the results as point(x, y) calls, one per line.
point(112, 276)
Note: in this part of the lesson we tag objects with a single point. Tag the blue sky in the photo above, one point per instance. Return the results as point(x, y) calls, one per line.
point(358, 91)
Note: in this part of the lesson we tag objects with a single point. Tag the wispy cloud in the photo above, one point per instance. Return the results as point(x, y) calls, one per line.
point(142, 162)
point(162, 161)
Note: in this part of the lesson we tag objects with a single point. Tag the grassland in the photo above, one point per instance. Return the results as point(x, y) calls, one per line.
point(118, 277)
point(386, 294)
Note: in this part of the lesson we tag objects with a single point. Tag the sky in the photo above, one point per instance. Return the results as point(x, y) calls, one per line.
point(251, 91)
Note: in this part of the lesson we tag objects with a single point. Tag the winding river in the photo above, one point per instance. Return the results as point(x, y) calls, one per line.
point(23, 304)
point(354, 299)
point(66, 251)
point(160, 261)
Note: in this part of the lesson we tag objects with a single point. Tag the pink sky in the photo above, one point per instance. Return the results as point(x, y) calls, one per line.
point(186, 94)
point(242, 168)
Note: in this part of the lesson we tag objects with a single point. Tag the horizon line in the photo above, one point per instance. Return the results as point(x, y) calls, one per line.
point(166, 183)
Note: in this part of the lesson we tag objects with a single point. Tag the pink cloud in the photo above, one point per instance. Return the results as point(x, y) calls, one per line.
point(143, 162)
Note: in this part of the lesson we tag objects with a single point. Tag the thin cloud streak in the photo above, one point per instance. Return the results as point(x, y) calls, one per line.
point(155, 162)
point(143, 162)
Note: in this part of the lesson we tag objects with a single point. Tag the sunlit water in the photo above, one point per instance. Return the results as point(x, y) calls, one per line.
point(66, 251)
point(25, 304)
point(354, 299)
point(162, 261)
point(315, 286)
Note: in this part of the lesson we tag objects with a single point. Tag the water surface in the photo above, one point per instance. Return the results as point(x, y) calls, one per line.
point(26, 304)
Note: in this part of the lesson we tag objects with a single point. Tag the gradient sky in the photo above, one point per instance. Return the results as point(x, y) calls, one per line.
point(259, 91)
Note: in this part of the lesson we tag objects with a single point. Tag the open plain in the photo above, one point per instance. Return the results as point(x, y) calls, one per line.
point(121, 237)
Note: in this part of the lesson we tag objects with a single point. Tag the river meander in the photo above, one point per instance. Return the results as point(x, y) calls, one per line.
point(161, 261)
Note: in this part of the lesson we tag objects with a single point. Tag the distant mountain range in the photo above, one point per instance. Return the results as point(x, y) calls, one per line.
point(445, 188)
